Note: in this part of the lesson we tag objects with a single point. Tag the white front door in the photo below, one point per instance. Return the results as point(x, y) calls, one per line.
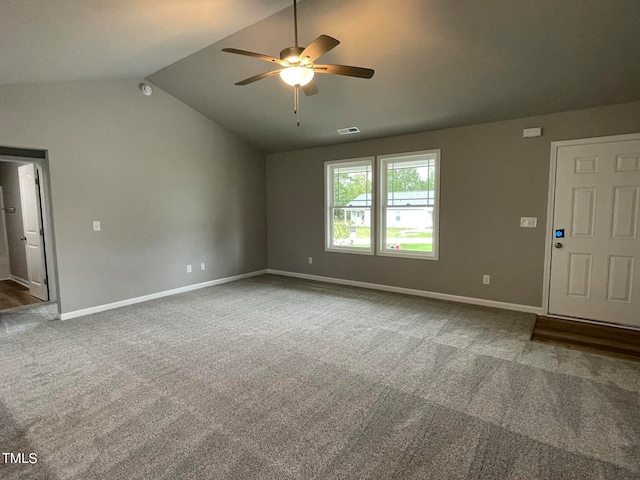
point(32, 222)
point(596, 249)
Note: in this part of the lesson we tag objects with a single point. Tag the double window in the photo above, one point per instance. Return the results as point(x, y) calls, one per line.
point(402, 217)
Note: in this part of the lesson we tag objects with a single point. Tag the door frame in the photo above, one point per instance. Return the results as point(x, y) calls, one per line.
point(550, 211)
point(51, 260)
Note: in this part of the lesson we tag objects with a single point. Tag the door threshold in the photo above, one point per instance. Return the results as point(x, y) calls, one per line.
point(602, 339)
point(619, 326)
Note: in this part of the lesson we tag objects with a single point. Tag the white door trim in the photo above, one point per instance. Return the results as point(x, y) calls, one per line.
point(551, 202)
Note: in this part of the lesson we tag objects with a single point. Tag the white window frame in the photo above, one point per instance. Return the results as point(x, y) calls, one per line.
point(381, 172)
point(329, 205)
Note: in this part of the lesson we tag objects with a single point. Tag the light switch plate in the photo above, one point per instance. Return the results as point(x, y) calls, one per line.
point(96, 226)
point(529, 222)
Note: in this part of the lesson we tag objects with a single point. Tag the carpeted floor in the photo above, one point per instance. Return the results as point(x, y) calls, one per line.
point(276, 378)
point(27, 317)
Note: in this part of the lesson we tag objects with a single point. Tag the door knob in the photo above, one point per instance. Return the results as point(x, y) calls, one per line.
point(558, 245)
point(23, 238)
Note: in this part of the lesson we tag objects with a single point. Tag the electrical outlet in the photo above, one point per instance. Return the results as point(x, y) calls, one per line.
point(188, 268)
point(96, 225)
point(310, 260)
point(202, 266)
point(486, 279)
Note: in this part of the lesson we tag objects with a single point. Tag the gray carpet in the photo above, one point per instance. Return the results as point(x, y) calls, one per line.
point(278, 378)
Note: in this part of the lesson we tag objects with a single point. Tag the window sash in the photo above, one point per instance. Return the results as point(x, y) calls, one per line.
point(351, 165)
point(331, 204)
point(389, 203)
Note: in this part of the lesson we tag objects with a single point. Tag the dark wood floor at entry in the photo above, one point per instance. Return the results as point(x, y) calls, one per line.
point(602, 339)
point(13, 294)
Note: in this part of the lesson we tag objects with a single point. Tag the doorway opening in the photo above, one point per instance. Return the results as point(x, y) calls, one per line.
point(28, 271)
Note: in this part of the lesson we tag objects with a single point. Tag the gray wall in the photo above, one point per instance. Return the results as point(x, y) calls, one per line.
point(490, 177)
point(11, 188)
point(170, 187)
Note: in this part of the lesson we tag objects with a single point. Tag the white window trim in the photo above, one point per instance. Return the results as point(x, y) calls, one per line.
point(328, 201)
point(382, 198)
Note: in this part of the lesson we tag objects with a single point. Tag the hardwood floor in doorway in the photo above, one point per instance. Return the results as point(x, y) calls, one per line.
point(13, 294)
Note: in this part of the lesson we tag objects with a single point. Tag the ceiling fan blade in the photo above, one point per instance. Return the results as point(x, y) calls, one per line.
point(256, 55)
point(310, 88)
point(255, 78)
point(344, 70)
point(319, 46)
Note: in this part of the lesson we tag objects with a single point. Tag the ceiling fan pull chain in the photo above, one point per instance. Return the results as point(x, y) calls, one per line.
point(296, 102)
point(298, 105)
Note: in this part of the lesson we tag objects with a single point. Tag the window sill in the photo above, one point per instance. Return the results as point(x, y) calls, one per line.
point(415, 256)
point(348, 250)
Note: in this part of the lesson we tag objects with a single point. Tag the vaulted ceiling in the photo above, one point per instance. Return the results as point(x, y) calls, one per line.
point(439, 63)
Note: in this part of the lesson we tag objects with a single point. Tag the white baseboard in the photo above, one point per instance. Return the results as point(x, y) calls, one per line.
point(19, 280)
point(410, 291)
point(152, 296)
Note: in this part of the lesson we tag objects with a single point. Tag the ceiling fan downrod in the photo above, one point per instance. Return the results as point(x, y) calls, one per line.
point(296, 88)
point(295, 21)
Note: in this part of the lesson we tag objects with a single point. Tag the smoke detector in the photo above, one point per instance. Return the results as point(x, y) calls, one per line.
point(146, 89)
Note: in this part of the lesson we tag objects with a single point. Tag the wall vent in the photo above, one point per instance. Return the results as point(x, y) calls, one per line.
point(348, 130)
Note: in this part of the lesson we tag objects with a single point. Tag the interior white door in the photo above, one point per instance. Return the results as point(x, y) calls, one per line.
point(32, 221)
point(594, 267)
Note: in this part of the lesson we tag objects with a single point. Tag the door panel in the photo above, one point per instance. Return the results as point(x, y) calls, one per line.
point(625, 213)
point(579, 278)
point(594, 272)
point(584, 210)
point(620, 278)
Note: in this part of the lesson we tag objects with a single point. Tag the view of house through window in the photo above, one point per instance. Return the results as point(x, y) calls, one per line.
point(408, 204)
point(350, 201)
point(407, 213)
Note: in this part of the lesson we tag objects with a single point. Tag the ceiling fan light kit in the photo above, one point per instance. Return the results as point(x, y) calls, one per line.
point(298, 68)
point(296, 76)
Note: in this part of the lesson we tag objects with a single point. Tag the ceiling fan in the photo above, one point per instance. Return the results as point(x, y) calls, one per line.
point(298, 67)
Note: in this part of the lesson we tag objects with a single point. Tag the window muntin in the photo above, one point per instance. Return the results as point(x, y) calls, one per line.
point(349, 192)
point(409, 205)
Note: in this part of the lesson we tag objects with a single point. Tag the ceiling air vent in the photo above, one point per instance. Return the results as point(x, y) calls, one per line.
point(348, 130)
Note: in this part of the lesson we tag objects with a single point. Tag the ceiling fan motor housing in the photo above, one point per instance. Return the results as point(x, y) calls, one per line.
point(291, 52)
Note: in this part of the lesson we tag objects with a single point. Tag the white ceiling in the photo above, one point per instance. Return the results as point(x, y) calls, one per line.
point(62, 40)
